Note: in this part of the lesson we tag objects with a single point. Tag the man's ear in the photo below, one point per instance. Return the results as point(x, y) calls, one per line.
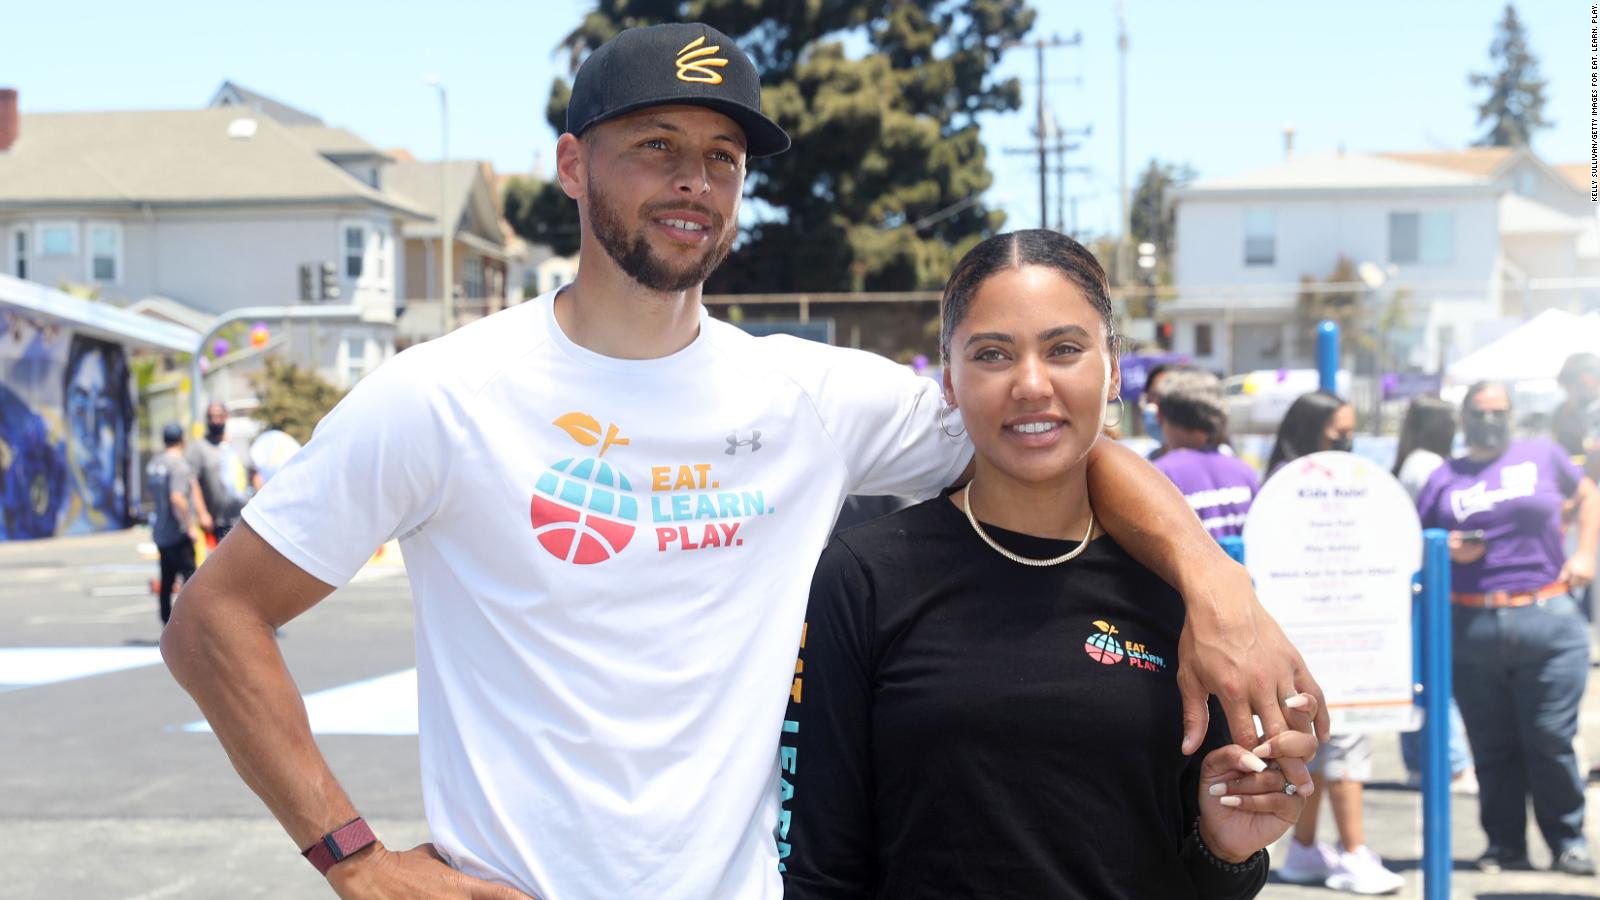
point(572, 162)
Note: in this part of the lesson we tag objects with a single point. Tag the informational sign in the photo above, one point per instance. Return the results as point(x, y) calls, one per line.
point(1333, 542)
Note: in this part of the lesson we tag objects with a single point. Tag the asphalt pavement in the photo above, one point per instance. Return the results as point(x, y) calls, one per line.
point(110, 787)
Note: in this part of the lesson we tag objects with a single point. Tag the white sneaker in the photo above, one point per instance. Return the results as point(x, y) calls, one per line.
point(1360, 871)
point(1308, 865)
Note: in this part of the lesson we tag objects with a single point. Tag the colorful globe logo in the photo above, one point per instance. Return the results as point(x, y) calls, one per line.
point(582, 512)
point(1102, 647)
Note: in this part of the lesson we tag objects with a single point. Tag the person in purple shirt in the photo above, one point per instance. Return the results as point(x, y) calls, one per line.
point(1521, 648)
point(1194, 422)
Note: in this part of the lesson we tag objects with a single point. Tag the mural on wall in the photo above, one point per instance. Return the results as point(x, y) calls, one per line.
point(66, 427)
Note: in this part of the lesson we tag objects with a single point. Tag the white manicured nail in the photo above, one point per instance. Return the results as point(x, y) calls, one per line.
point(1232, 801)
point(1217, 790)
point(1254, 763)
point(1263, 750)
point(1298, 701)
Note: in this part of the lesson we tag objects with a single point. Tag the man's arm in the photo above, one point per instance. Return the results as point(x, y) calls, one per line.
point(220, 647)
point(202, 514)
point(1230, 646)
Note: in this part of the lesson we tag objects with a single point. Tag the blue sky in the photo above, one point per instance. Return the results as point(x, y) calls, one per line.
point(1210, 83)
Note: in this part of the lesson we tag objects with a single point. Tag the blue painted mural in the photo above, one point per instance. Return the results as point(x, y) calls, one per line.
point(67, 419)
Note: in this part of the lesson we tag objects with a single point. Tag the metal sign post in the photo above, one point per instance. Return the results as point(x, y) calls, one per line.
point(1436, 693)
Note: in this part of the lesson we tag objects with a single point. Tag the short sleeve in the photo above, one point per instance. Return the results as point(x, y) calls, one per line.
point(1567, 473)
point(884, 419)
point(373, 471)
point(825, 833)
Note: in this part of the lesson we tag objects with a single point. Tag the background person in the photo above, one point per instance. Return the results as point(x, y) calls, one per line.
point(1317, 422)
point(1313, 423)
point(172, 487)
point(1194, 421)
point(1521, 648)
point(224, 478)
point(943, 744)
point(1426, 438)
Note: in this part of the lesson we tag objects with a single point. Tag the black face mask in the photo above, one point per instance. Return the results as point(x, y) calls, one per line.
point(214, 431)
point(1488, 430)
point(1342, 444)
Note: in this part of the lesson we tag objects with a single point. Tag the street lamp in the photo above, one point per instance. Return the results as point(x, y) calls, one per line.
point(446, 226)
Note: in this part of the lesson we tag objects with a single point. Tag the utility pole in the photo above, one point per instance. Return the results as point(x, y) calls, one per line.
point(1122, 140)
point(1041, 130)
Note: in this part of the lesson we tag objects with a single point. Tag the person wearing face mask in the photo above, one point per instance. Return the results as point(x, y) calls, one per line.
point(1521, 648)
point(1316, 422)
point(224, 481)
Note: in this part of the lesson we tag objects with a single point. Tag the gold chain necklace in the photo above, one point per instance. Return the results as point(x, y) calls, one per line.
point(966, 507)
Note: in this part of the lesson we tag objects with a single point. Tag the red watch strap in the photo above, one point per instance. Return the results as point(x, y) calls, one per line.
point(339, 843)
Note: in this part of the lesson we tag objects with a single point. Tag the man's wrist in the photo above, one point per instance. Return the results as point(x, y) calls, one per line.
point(339, 844)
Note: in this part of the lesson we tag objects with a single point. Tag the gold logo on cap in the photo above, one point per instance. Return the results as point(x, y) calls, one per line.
point(693, 67)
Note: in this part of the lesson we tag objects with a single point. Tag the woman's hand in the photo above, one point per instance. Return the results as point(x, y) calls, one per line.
point(1243, 806)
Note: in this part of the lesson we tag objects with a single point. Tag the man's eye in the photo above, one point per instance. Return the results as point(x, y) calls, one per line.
point(724, 156)
point(655, 144)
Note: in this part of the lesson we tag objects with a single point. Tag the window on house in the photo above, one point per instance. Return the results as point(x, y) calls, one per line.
point(58, 240)
point(355, 250)
point(355, 354)
point(20, 254)
point(1260, 237)
point(1202, 339)
point(105, 252)
point(472, 279)
point(1428, 238)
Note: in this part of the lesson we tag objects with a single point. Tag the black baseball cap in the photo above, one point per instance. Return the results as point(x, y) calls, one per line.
point(663, 65)
point(172, 433)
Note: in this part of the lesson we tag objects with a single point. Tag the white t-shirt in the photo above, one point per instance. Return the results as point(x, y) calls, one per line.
point(1415, 469)
point(610, 560)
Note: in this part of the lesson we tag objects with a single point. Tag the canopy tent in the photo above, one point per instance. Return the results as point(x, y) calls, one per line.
point(1533, 351)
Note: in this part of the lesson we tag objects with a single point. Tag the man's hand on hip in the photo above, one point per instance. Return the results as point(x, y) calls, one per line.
point(379, 874)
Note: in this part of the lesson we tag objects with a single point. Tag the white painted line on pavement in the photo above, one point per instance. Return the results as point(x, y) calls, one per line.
point(386, 705)
point(32, 666)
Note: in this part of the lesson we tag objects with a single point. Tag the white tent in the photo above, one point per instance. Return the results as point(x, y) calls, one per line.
point(1533, 351)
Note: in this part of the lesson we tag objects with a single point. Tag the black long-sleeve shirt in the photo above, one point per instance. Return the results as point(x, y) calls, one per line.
point(964, 726)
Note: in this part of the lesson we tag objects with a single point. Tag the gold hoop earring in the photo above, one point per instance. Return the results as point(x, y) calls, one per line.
point(944, 424)
point(1122, 413)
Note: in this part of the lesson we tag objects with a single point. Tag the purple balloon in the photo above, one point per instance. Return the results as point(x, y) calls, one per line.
point(220, 348)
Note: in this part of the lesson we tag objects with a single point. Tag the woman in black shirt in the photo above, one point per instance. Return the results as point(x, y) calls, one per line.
point(986, 700)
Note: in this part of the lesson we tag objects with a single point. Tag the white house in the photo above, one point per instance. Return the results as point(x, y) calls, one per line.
point(216, 208)
point(1467, 240)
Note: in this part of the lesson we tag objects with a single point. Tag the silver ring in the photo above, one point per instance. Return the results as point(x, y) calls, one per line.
point(1290, 789)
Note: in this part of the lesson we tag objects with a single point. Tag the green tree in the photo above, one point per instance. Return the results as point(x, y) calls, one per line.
point(541, 213)
point(292, 399)
point(882, 188)
point(1152, 217)
point(1336, 299)
point(1514, 108)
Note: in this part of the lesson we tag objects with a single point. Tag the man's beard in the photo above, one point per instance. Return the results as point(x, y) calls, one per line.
point(633, 254)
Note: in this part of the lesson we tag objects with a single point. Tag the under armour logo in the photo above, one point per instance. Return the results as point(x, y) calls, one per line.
point(692, 67)
point(754, 443)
